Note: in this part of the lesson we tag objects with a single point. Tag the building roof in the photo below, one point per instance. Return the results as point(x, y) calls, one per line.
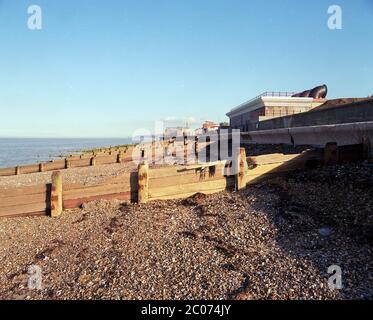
point(260, 101)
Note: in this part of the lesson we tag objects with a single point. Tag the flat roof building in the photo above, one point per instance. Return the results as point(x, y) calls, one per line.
point(209, 125)
point(269, 105)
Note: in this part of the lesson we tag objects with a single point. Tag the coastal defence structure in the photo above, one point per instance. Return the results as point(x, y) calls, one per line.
point(345, 125)
point(87, 159)
point(142, 185)
point(360, 111)
point(166, 183)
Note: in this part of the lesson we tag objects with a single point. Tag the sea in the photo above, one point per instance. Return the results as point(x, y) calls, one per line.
point(22, 151)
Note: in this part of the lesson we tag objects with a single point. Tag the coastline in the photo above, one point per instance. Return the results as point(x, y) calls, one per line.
point(26, 151)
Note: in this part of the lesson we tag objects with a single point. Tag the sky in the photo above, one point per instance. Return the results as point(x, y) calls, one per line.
point(107, 68)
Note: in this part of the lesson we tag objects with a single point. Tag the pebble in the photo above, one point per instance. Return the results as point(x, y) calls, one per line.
point(266, 245)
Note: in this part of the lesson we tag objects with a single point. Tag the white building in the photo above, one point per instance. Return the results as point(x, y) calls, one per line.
point(267, 106)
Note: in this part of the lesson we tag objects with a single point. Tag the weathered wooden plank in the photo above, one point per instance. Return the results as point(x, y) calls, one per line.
point(7, 172)
point(55, 165)
point(125, 180)
point(180, 170)
point(29, 214)
point(303, 160)
point(14, 192)
point(129, 177)
point(23, 209)
point(90, 191)
point(188, 194)
point(23, 199)
point(34, 168)
point(80, 163)
point(76, 203)
point(166, 172)
point(274, 168)
point(279, 158)
point(270, 158)
point(106, 160)
point(219, 164)
point(98, 155)
point(73, 186)
point(126, 159)
point(192, 177)
point(157, 193)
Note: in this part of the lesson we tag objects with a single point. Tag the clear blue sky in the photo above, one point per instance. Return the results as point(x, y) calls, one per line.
point(104, 68)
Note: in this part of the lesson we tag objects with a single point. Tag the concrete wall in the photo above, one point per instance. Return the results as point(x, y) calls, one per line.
point(354, 112)
point(243, 122)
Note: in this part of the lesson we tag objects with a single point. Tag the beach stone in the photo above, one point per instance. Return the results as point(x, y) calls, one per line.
point(325, 231)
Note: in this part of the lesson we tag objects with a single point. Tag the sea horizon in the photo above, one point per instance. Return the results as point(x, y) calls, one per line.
point(23, 151)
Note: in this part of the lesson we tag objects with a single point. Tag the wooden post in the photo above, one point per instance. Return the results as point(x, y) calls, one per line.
point(143, 173)
point(18, 170)
point(153, 149)
point(196, 148)
point(67, 164)
point(164, 148)
point(185, 154)
point(208, 149)
point(331, 154)
point(93, 161)
point(119, 158)
point(56, 194)
point(240, 176)
point(41, 167)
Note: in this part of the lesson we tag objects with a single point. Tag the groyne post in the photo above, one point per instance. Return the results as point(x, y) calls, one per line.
point(56, 194)
point(143, 182)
